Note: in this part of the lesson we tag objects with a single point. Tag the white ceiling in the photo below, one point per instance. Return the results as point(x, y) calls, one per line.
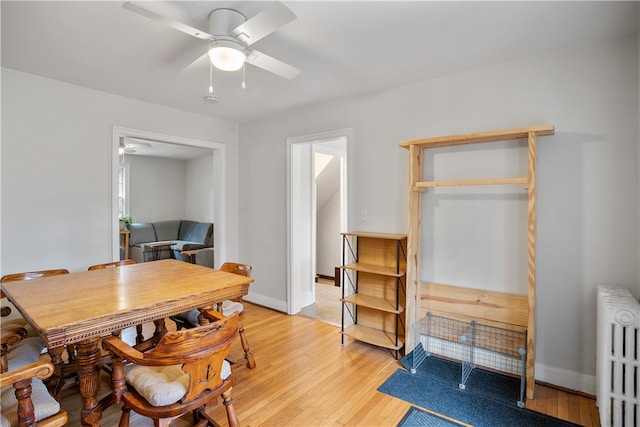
point(343, 48)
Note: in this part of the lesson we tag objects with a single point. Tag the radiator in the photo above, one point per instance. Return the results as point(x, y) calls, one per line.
point(617, 365)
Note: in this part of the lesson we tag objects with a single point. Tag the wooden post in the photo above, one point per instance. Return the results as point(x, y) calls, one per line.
point(531, 265)
point(413, 247)
point(414, 289)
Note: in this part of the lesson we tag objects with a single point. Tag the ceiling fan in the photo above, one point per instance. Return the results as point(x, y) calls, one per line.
point(231, 35)
point(129, 145)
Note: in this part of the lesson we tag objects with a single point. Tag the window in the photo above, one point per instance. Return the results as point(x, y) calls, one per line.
point(123, 190)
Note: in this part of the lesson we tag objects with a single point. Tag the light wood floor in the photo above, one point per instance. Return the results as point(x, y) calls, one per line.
point(327, 307)
point(305, 377)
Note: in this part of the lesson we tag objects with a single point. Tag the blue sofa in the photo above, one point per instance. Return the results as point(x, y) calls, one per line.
point(186, 235)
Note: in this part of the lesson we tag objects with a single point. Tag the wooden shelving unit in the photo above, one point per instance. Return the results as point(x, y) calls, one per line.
point(374, 288)
point(510, 311)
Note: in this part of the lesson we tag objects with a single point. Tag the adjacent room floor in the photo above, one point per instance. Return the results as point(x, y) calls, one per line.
point(327, 307)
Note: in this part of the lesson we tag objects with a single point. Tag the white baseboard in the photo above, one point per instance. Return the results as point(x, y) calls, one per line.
point(266, 301)
point(568, 379)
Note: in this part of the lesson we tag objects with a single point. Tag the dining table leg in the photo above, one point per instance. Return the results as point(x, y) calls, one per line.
point(56, 381)
point(89, 381)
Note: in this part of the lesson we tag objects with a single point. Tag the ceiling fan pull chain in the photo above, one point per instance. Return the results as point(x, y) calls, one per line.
point(244, 83)
point(210, 78)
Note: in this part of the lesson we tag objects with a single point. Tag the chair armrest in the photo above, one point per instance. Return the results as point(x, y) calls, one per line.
point(41, 370)
point(122, 349)
point(213, 315)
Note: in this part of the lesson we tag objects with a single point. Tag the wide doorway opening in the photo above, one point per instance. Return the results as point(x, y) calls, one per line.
point(128, 143)
point(318, 212)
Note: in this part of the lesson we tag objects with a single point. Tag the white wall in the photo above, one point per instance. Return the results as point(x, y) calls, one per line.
point(587, 178)
point(56, 169)
point(328, 241)
point(199, 193)
point(157, 188)
point(164, 189)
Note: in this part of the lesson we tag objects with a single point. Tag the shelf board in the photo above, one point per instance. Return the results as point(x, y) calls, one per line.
point(373, 302)
point(375, 269)
point(375, 235)
point(472, 138)
point(373, 336)
point(470, 182)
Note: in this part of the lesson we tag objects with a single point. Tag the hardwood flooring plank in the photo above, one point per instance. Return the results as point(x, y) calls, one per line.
point(574, 408)
point(585, 412)
point(563, 405)
point(552, 402)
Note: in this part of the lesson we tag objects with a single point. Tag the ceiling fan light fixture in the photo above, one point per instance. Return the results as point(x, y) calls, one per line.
point(227, 55)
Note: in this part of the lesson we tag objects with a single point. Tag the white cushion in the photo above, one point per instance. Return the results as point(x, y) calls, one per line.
point(26, 352)
point(43, 403)
point(163, 385)
point(230, 307)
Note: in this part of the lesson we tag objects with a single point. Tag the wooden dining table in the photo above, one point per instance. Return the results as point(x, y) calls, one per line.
point(80, 308)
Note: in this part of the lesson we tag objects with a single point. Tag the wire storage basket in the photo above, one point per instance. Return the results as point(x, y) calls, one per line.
point(473, 345)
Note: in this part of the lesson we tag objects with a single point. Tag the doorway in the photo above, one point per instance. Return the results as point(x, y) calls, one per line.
point(120, 133)
point(302, 211)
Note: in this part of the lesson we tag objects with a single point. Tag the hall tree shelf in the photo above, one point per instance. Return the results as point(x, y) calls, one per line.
point(509, 311)
point(374, 288)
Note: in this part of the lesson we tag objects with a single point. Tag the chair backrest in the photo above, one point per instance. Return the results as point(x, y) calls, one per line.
point(10, 336)
point(112, 264)
point(236, 268)
point(28, 275)
point(201, 351)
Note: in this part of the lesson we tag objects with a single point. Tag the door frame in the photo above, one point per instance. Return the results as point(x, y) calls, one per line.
point(301, 211)
point(219, 184)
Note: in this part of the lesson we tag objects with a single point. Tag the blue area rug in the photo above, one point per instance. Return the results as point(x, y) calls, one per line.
point(417, 417)
point(489, 399)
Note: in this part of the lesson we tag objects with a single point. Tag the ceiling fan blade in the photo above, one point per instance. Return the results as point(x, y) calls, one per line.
point(197, 64)
point(268, 63)
point(187, 29)
point(264, 23)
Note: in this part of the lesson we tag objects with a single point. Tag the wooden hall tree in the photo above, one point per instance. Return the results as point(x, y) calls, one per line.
point(506, 310)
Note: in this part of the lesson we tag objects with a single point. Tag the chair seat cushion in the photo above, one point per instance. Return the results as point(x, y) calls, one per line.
point(230, 307)
point(25, 353)
point(44, 404)
point(163, 385)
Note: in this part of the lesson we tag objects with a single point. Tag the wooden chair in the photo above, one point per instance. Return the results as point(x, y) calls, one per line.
point(27, 275)
point(112, 264)
point(186, 320)
point(69, 369)
point(27, 403)
point(193, 369)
